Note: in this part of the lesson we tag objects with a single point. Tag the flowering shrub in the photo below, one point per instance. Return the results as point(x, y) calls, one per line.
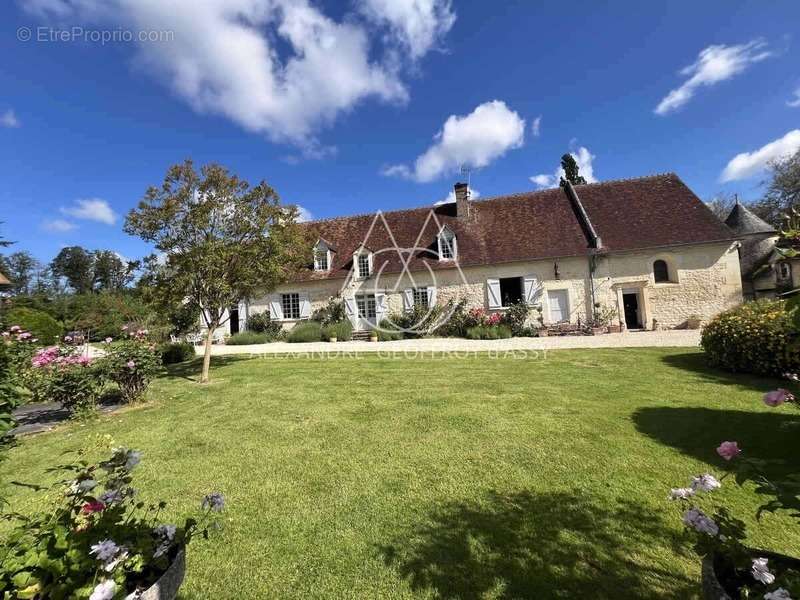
point(61, 374)
point(131, 363)
point(742, 572)
point(756, 337)
point(19, 346)
point(97, 540)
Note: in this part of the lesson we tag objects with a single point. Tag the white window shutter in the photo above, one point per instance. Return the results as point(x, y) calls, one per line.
point(493, 293)
point(350, 310)
point(380, 307)
point(431, 295)
point(275, 307)
point(408, 299)
point(305, 306)
point(532, 290)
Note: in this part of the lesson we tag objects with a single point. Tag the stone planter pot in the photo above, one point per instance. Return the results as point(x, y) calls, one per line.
point(712, 588)
point(614, 328)
point(373, 338)
point(333, 340)
point(166, 588)
point(598, 330)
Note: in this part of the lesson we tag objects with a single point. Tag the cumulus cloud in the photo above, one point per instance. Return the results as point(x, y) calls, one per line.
point(58, 226)
point(305, 214)
point(91, 209)
point(794, 102)
point(418, 25)
point(713, 65)
point(451, 197)
point(472, 140)
point(536, 126)
point(280, 68)
point(747, 164)
point(582, 156)
point(9, 119)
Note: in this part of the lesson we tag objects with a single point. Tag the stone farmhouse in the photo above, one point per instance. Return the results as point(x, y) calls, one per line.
point(647, 249)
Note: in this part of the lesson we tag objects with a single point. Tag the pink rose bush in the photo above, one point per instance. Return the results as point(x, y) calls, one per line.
point(131, 363)
point(96, 539)
point(721, 536)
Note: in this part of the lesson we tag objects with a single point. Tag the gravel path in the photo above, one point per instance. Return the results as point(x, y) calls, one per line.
point(638, 339)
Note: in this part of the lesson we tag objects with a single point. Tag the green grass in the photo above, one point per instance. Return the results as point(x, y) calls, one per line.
point(478, 477)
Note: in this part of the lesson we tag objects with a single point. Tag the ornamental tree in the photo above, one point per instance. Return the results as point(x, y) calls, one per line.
point(220, 240)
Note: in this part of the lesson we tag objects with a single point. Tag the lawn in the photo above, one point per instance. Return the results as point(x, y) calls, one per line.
point(478, 477)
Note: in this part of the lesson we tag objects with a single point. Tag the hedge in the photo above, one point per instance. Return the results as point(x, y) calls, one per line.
point(41, 325)
point(756, 337)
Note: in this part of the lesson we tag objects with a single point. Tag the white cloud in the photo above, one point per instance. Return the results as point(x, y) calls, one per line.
point(473, 140)
point(418, 25)
point(451, 197)
point(585, 160)
point(795, 102)
point(747, 164)
point(280, 68)
point(58, 226)
point(714, 64)
point(91, 209)
point(536, 126)
point(9, 119)
point(305, 214)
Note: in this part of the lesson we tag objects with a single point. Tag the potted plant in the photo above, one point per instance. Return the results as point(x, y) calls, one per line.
point(98, 541)
point(614, 328)
point(730, 569)
point(333, 338)
point(373, 336)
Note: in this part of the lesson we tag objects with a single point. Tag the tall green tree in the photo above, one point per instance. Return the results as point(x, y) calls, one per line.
point(76, 265)
point(222, 240)
point(571, 171)
point(20, 268)
point(110, 272)
point(783, 191)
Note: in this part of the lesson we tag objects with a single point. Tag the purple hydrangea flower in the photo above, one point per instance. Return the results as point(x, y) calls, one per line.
point(104, 590)
point(761, 572)
point(214, 501)
point(705, 483)
point(696, 519)
point(105, 550)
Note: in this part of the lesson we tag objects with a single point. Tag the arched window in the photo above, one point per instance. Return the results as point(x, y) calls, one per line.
point(660, 271)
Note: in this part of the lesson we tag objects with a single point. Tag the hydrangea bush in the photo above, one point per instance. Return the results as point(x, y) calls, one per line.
point(131, 363)
point(721, 536)
point(96, 539)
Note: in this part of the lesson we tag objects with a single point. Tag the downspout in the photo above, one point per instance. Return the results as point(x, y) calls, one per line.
point(594, 242)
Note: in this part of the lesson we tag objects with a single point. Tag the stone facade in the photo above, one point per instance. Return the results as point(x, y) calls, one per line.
point(704, 280)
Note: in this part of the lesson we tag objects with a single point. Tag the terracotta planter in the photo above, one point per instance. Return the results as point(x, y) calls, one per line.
point(614, 328)
point(598, 330)
point(166, 588)
point(543, 333)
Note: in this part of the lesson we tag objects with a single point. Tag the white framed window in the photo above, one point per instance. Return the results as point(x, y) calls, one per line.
point(290, 305)
point(448, 247)
point(321, 259)
point(421, 298)
point(364, 265)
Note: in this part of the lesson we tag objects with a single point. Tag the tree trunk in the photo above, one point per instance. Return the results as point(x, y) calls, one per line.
point(207, 354)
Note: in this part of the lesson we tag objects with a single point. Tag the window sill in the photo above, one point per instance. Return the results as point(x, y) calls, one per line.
point(666, 283)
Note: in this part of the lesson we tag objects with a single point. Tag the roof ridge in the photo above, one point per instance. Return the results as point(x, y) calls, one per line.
point(487, 199)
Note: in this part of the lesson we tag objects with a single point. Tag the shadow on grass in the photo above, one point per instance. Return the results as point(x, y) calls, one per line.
point(190, 370)
point(525, 545)
point(696, 432)
point(697, 363)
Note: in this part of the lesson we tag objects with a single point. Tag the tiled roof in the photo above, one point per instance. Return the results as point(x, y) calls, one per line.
point(627, 214)
point(744, 222)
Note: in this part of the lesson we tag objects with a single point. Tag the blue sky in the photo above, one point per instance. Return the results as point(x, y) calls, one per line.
point(334, 103)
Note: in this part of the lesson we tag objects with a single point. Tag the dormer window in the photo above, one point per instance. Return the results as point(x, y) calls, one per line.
point(364, 265)
point(448, 247)
point(322, 256)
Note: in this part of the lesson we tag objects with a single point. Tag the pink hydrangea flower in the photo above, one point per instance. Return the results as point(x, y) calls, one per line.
point(14, 328)
point(108, 340)
point(729, 450)
point(778, 397)
point(130, 364)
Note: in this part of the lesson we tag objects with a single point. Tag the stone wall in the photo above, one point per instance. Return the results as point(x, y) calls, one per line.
point(705, 280)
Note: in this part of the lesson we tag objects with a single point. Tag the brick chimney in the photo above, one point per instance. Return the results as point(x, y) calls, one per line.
point(462, 200)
